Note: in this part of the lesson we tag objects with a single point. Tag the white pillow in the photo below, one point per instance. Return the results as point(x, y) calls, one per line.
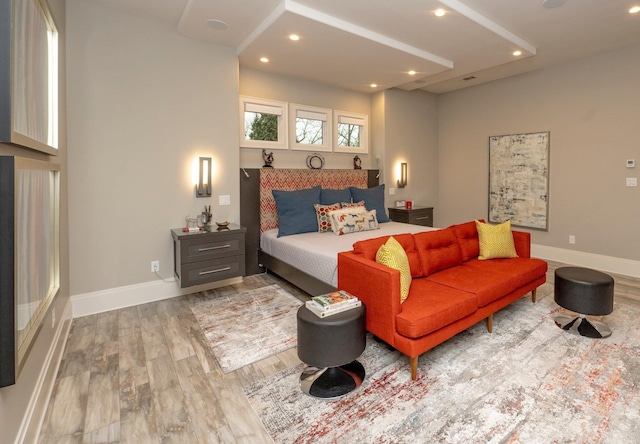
point(351, 220)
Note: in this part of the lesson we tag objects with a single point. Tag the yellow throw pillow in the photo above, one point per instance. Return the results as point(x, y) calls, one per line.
point(496, 241)
point(393, 255)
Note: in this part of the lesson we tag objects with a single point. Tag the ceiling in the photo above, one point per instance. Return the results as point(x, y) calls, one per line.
point(355, 43)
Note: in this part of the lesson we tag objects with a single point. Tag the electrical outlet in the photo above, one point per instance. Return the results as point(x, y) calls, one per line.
point(224, 199)
point(155, 266)
point(572, 239)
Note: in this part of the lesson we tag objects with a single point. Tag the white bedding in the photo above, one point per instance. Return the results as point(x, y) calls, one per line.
point(317, 253)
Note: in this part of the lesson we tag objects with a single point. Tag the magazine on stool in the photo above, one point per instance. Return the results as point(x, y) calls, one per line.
point(332, 303)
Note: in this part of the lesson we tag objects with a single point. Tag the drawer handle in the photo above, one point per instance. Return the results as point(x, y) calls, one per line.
point(215, 271)
point(214, 248)
point(422, 218)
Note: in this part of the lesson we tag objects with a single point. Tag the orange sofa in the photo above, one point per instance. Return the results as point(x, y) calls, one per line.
point(451, 288)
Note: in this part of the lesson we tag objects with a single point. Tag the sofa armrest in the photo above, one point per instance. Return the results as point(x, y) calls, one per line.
point(377, 286)
point(522, 241)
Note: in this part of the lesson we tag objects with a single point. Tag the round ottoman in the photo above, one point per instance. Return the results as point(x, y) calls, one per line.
point(586, 292)
point(330, 347)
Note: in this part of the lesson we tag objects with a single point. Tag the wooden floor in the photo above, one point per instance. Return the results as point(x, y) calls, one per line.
point(143, 375)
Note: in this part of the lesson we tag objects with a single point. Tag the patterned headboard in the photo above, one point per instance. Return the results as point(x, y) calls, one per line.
point(296, 179)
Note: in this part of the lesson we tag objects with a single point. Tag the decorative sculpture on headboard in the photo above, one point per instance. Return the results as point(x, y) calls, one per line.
point(268, 159)
point(357, 163)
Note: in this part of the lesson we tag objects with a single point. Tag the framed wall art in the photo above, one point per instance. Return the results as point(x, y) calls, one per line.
point(519, 180)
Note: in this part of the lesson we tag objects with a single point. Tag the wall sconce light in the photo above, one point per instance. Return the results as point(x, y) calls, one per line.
point(402, 182)
point(203, 187)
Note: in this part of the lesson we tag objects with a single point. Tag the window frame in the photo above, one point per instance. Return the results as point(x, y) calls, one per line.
point(282, 142)
point(327, 141)
point(364, 132)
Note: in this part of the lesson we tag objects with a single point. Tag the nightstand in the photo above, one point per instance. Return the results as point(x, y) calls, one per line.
point(208, 256)
point(416, 215)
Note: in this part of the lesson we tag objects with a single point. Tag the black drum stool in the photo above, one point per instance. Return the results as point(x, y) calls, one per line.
point(586, 292)
point(330, 347)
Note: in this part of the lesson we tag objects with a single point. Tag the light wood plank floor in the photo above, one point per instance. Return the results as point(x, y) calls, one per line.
point(144, 375)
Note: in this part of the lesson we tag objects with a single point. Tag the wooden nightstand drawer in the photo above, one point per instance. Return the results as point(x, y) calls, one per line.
point(208, 256)
point(214, 270)
point(207, 247)
point(416, 216)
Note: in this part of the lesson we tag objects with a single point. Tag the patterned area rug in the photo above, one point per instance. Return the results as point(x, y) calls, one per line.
point(247, 327)
point(527, 382)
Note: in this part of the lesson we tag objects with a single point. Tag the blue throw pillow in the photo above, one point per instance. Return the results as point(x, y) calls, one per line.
point(373, 200)
point(329, 196)
point(296, 213)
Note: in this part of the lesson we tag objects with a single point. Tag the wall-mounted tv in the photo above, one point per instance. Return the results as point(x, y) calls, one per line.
point(29, 83)
point(29, 256)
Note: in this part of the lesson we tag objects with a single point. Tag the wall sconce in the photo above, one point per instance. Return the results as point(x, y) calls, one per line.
point(402, 182)
point(203, 187)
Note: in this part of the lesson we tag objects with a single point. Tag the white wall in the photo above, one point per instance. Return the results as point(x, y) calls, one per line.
point(143, 103)
point(591, 107)
point(411, 135)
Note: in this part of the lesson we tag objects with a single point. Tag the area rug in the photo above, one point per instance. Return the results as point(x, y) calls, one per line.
point(244, 328)
point(527, 382)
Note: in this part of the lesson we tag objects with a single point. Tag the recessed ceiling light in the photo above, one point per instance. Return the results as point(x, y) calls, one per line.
point(217, 24)
point(517, 53)
point(374, 85)
point(440, 12)
point(412, 73)
point(634, 10)
point(264, 59)
point(550, 4)
point(294, 37)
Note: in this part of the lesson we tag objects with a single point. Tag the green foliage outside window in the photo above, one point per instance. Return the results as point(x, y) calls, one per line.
point(261, 126)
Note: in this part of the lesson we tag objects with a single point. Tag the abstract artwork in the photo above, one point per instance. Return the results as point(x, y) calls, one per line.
point(519, 180)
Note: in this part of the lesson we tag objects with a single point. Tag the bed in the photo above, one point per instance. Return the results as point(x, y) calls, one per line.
point(307, 260)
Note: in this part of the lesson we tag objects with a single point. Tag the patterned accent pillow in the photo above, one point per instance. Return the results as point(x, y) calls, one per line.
point(393, 255)
point(496, 241)
point(322, 212)
point(352, 220)
point(352, 205)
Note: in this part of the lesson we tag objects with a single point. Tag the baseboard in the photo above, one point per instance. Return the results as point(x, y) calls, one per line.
point(32, 420)
point(626, 267)
point(130, 295)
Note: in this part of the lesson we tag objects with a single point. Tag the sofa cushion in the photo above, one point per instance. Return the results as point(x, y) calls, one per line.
point(496, 241)
point(369, 248)
point(467, 235)
point(393, 255)
point(437, 250)
point(487, 285)
point(521, 270)
point(431, 306)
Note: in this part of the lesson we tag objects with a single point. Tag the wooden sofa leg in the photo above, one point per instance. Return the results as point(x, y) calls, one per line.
point(533, 295)
point(414, 368)
point(490, 323)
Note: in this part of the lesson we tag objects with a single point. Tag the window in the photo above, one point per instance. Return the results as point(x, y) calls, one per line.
point(310, 128)
point(33, 109)
point(263, 123)
point(351, 132)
